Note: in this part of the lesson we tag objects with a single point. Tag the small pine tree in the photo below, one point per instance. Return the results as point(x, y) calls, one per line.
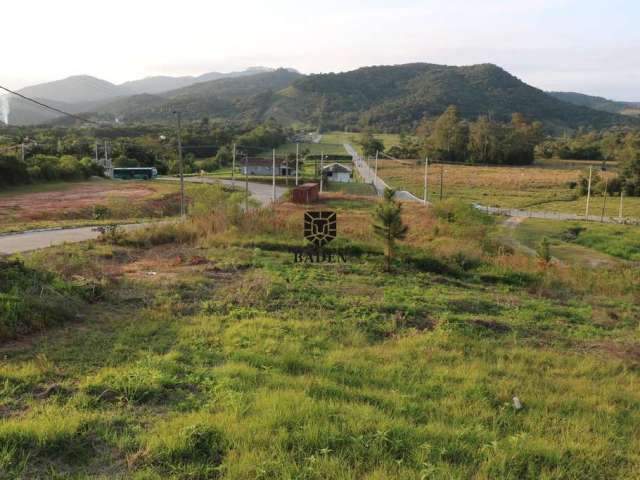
point(389, 193)
point(389, 226)
point(544, 251)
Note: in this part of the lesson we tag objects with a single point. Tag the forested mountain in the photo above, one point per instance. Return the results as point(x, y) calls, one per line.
point(246, 98)
point(598, 103)
point(160, 84)
point(76, 89)
point(392, 97)
point(388, 98)
point(83, 93)
point(385, 98)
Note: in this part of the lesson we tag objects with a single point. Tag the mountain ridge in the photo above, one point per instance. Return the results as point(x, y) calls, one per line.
point(382, 97)
point(598, 103)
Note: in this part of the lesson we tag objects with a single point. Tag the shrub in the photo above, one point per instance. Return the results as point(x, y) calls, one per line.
point(100, 212)
point(31, 299)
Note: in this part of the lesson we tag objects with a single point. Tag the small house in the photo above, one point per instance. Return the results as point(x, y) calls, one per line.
point(264, 166)
point(337, 172)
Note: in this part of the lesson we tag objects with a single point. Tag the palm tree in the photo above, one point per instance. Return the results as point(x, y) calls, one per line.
point(389, 226)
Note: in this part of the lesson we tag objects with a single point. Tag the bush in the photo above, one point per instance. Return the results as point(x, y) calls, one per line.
point(100, 212)
point(31, 299)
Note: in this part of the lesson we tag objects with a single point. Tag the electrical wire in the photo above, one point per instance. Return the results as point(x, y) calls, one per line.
point(44, 105)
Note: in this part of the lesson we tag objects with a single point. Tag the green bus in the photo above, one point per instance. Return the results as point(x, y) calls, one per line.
point(136, 173)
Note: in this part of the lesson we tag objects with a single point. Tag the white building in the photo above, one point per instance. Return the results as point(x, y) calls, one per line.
point(337, 172)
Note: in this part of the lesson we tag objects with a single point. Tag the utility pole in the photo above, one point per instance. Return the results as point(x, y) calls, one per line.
point(604, 201)
point(375, 177)
point(441, 179)
point(181, 165)
point(621, 197)
point(297, 161)
point(107, 163)
point(97, 159)
point(233, 167)
point(321, 172)
point(589, 192)
point(246, 183)
point(273, 176)
point(22, 152)
point(426, 180)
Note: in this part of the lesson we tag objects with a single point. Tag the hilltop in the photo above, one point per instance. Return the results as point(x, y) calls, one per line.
point(386, 98)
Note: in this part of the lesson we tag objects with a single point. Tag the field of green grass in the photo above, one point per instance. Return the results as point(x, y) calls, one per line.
point(340, 138)
point(209, 353)
point(353, 188)
point(311, 148)
point(586, 239)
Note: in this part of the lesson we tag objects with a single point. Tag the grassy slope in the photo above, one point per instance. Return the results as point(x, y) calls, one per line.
point(616, 240)
point(275, 370)
point(389, 139)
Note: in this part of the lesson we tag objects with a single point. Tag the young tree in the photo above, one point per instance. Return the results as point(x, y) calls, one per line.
point(370, 144)
point(388, 225)
point(543, 251)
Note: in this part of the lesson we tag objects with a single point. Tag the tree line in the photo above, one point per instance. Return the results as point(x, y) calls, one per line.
point(57, 153)
point(449, 138)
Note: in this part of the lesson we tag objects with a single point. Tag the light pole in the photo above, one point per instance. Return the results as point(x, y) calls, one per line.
point(181, 164)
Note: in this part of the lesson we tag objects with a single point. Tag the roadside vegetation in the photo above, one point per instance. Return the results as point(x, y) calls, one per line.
point(212, 354)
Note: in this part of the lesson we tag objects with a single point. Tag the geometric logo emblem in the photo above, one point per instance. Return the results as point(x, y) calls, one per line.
point(320, 227)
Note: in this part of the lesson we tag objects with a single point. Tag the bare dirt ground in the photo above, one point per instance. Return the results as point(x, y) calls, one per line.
point(58, 203)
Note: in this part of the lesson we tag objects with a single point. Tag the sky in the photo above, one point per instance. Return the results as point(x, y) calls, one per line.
point(586, 46)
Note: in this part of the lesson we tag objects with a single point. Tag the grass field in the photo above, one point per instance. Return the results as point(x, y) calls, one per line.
point(543, 187)
point(582, 239)
point(340, 138)
point(353, 188)
point(311, 148)
point(209, 353)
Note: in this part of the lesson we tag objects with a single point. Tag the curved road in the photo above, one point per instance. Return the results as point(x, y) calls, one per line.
point(38, 239)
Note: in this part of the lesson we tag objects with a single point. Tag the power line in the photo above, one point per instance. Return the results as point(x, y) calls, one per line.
point(48, 106)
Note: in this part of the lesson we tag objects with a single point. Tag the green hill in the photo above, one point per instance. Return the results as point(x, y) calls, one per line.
point(598, 103)
point(386, 98)
point(243, 98)
point(394, 97)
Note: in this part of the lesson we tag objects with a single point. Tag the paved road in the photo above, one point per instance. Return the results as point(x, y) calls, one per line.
point(38, 239)
point(260, 191)
point(368, 176)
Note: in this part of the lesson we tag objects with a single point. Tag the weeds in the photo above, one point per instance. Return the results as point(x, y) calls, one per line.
point(247, 365)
